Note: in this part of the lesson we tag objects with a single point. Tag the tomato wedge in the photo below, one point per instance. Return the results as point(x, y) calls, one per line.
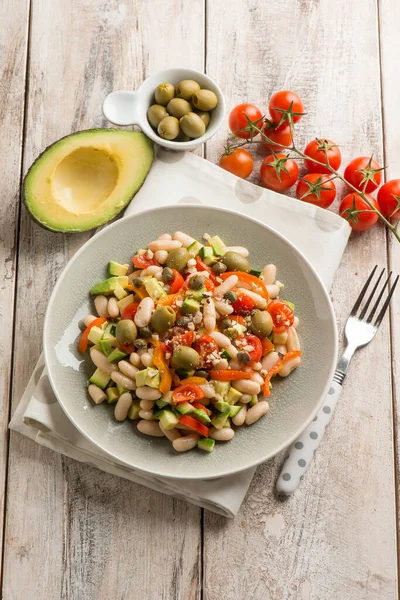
point(141, 262)
point(227, 375)
point(248, 340)
point(282, 315)
point(161, 364)
point(276, 368)
point(186, 339)
point(193, 424)
point(187, 393)
point(130, 311)
point(201, 266)
point(243, 304)
point(206, 346)
point(83, 342)
point(267, 346)
point(247, 278)
point(177, 282)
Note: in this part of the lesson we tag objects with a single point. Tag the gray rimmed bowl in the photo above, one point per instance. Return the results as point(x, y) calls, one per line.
point(294, 400)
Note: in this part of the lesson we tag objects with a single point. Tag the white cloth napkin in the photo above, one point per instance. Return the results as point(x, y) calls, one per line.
point(182, 178)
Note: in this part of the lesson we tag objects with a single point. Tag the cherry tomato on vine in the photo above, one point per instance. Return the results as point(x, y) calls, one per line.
point(285, 106)
point(317, 150)
point(239, 162)
point(358, 221)
point(278, 172)
point(364, 173)
point(317, 189)
point(389, 199)
point(238, 121)
point(280, 135)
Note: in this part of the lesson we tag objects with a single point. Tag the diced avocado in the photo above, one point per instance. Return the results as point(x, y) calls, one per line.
point(234, 410)
point(100, 378)
point(117, 269)
point(111, 383)
point(255, 272)
point(217, 245)
point(116, 355)
point(125, 302)
point(222, 388)
point(167, 398)
point(123, 281)
point(120, 293)
point(95, 334)
point(254, 400)
point(220, 420)
point(112, 395)
point(207, 255)
point(154, 289)
point(140, 377)
point(133, 412)
point(121, 390)
point(206, 444)
point(233, 396)
point(290, 304)
point(108, 285)
point(185, 408)
point(197, 295)
point(201, 416)
point(221, 406)
point(168, 420)
point(161, 404)
point(107, 346)
point(190, 306)
point(153, 378)
point(109, 332)
point(194, 248)
point(225, 354)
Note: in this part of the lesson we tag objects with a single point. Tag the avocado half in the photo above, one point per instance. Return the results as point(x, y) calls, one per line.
point(86, 178)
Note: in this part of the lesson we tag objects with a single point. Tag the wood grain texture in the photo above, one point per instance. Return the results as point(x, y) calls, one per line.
point(89, 534)
point(335, 538)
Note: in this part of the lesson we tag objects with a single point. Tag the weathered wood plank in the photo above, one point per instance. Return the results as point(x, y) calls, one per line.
point(108, 538)
point(335, 538)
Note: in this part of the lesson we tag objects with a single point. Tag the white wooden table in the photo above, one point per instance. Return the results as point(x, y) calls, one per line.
point(69, 531)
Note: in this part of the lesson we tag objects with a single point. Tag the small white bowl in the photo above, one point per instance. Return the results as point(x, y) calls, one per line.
point(130, 108)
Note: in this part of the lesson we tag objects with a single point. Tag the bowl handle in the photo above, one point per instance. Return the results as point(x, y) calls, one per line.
point(121, 108)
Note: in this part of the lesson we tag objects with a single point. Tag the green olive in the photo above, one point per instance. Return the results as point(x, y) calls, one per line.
point(182, 137)
point(177, 107)
point(236, 262)
point(186, 88)
point(261, 323)
point(218, 268)
point(126, 331)
point(177, 259)
point(196, 282)
point(155, 114)
point(192, 125)
point(164, 93)
point(204, 116)
point(168, 128)
point(204, 100)
point(163, 318)
point(185, 357)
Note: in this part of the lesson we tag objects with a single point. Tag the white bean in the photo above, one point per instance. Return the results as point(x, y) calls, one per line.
point(222, 340)
point(147, 404)
point(221, 435)
point(225, 286)
point(238, 249)
point(280, 338)
point(269, 360)
point(240, 418)
point(143, 313)
point(259, 301)
point(256, 411)
point(269, 274)
point(101, 304)
point(273, 291)
point(209, 316)
point(127, 368)
point(161, 256)
point(165, 236)
point(96, 394)
point(289, 366)
point(185, 443)
point(223, 308)
point(247, 386)
point(101, 361)
point(183, 238)
point(135, 359)
point(113, 308)
point(233, 351)
point(257, 377)
point(246, 398)
point(89, 319)
point(256, 366)
point(281, 349)
point(293, 342)
point(167, 245)
point(208, 390)
point(147, 415)
point(148, 393)
point(222, 364)
point(171, 434)
point(296, 322)
point(122, 380)
point(122, 407)
point(150, 428)
point(147, 359)
point(151, 271)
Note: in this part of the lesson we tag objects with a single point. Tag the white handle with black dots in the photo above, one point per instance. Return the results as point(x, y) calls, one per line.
point(302, 451)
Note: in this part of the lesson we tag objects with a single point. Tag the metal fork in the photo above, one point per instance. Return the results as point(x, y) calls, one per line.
point(360, 329)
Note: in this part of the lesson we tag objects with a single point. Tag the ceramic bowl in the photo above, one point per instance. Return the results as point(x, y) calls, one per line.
point(294, 400)
point(130, 108)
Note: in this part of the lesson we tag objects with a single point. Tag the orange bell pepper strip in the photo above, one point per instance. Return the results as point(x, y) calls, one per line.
point(267, 346)
point(162, 366)
point(227, 375)
point(139, 291)
point(193, 424)
point(195, 380)
point(276, 368)
point(247, 278)
point(83, 342)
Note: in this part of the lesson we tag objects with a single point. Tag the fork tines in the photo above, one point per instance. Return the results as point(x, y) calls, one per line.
point(360, 298)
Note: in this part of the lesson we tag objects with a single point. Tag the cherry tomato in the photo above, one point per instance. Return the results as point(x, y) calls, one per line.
point(206, 346)
point(176, 283)
point(282, 315)
point(359, 221)
point(278, 172)
point(282, 136)
point(364, 173)
point(389, 199)
point(127, 348)
point(201, 266)
point(317, 150)
point(317, 189)
point(141, 262)
point(187, 393)
point(248, 340)
point(130, 311)
point(239, 162)
point(243, 304)
point(238, 121)
point(285, 105)
point(186, 339)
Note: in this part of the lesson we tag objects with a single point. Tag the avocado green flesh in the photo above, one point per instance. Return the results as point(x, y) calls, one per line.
point(87, 178)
